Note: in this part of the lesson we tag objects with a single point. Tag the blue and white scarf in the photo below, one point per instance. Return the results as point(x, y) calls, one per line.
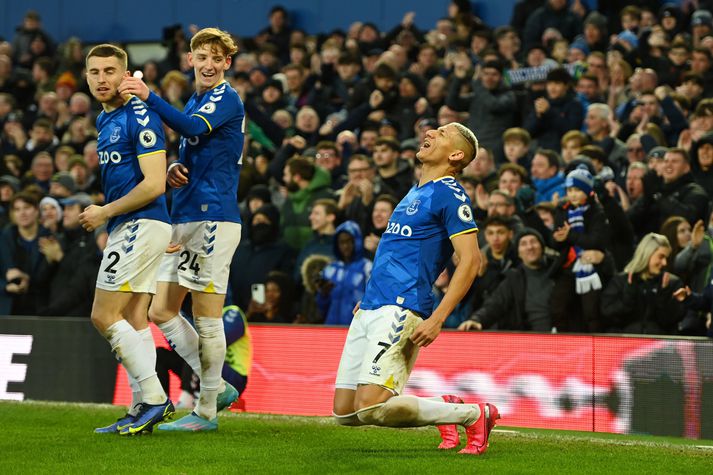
point(585, 277)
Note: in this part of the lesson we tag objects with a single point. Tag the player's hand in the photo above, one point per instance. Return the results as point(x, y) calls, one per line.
point(92, 217)
point(470, 325)
point(135, 86)
point(173, 248)
point(356, 308)
point(426, 332)
point(177, 176)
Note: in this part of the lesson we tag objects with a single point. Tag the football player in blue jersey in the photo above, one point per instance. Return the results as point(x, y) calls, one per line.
point(132, 160)
point(205, 217)
point(395, 316)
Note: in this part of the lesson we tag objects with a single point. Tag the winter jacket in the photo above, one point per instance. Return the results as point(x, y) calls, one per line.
point(491, 112)
point(349, 279)
point(505, 308)
point(683, 197)
point(642, 306)
point(15, 252)
point(252, 263)
point(71, 288)
point(564, 114)
point(545, 188)
point(295, 223)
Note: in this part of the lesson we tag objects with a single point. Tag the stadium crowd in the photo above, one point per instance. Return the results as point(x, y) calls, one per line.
point(592, 186)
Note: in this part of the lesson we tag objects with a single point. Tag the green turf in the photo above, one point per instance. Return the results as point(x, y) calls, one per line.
point(57, 438)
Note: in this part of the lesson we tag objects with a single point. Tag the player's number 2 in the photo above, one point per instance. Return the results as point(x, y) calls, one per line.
point(186, 256)
point(114, 258)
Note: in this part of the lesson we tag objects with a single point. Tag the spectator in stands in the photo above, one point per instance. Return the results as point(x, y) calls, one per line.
point(679, 195)
point(279, 31)
point(556, 113)
point(51, 215)
point(702, 166)
point(395, 174)
point(357, 196)
point(613, 200)
point(546, 176)
point(344, 280)
point(62, 185)
point(261, 253)
point(634, 181)
point(278, 306)
point(678, 233)
point(30, 31)
point(511, 178)
point(641, 299)
point(322, 218)
point(571, 144)
point(305, 184)
point(74, 262)
point(554, 14)
point(23, 269)
point(482, 170)
point(491, 105)
point(516, 146)
point(41, 139)
point(9, 185)
point(384, 206)
point(498, 255)
point(41, 171)
point(581, 236)
point(329, 157)
point(523, 300)
point(599, 129)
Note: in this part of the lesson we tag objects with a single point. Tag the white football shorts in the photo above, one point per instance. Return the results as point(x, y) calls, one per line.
point(378, 349)
point(203, 262)
point(133, 255)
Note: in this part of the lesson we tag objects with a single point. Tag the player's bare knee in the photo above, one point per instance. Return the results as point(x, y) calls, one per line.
point(160, 315)
point(102, 320)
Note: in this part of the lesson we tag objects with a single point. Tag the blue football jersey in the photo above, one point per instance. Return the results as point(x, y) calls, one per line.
point(416, 245)
point(126, 134)
point(213, 159)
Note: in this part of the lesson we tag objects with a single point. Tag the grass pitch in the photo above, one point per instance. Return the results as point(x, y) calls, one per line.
point(58, 438)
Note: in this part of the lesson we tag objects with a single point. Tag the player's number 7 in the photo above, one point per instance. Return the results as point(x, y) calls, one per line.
point(386, 346)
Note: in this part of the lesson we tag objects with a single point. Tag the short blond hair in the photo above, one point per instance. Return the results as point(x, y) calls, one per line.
point(467, 138)
point(216, 39)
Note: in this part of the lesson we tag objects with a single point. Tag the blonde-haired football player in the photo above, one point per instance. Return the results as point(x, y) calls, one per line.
point(205, 217)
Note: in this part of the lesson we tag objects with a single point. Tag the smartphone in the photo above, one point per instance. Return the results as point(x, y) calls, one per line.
point(258, 293)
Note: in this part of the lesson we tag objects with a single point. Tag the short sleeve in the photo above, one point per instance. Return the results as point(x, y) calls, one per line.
point(222, 105)
point(455, 209)
point(148, 134)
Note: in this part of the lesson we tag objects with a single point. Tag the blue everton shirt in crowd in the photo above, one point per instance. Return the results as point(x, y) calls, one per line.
point(416, 245)
point(127, 134)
